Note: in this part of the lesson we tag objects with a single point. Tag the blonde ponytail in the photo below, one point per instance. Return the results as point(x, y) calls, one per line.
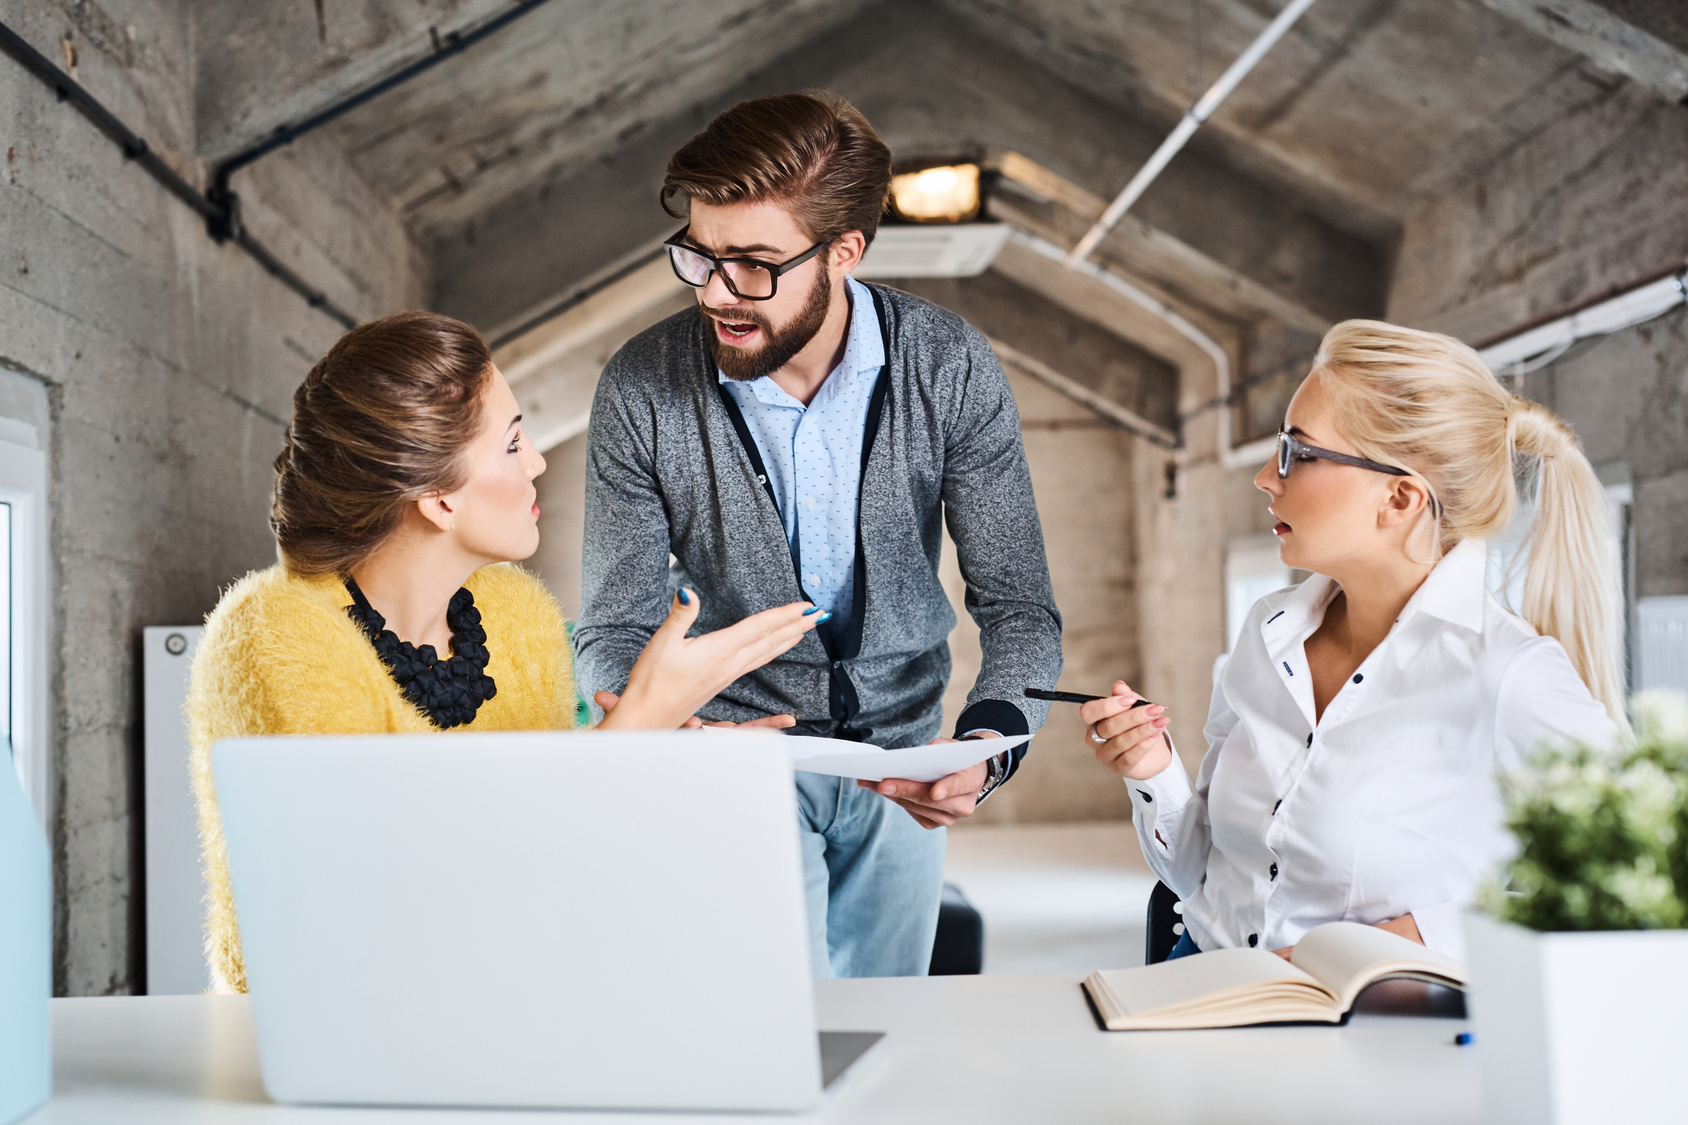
point(1570, 587)
point(1428, 403)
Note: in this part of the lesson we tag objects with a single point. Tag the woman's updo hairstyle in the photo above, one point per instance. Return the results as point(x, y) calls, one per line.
point(379, 422)
point(1428, 403)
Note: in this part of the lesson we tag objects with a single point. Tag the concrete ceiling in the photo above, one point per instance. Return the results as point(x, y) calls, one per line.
point(1365, 109)
point(559, 87)
point(529, 164)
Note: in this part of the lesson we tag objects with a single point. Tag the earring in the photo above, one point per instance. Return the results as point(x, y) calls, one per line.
point(454, 525)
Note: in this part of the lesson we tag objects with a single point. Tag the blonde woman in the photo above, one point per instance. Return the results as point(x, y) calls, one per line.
point(404, 488)
point(1355, 734)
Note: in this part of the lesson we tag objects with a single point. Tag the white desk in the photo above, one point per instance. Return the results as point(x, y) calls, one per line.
point(963, 1049)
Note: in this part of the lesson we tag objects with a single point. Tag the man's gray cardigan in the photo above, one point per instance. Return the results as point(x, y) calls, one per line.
point(671, 468)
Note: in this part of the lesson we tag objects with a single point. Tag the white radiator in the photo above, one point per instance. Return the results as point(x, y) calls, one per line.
point(175, 892)
point(1661, 643)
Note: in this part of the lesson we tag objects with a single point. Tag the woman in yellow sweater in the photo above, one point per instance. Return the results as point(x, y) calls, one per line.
point(403, 494)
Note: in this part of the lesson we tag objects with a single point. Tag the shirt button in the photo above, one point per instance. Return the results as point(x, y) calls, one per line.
point(1274, 871)
point(1358, 677)
point(813, 580)
point(1309, 738)
point(838, 664)
point(1253, 940)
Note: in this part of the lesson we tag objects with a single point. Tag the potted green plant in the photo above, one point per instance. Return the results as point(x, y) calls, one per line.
point(1578, 954)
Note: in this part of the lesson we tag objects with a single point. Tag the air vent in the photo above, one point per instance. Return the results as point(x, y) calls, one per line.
point(1661, 650)
point(952, 250)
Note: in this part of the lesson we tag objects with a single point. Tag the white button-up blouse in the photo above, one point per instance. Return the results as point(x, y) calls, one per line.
point(1388, 803)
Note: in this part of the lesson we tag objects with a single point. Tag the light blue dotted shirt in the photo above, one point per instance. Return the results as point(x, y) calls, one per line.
point(813, 455)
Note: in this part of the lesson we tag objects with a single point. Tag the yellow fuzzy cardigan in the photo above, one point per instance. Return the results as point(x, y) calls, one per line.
point(281, 656)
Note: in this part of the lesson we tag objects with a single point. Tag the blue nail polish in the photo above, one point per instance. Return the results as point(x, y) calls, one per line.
point(811, 609)
point(823, 617)
point(685, 598)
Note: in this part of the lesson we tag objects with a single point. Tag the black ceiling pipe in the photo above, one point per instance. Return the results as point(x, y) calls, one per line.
point(226, 223)
point(219, 206)
point(135, 148)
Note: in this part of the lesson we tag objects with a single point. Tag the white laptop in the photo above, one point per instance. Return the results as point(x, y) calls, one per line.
point(606, 920)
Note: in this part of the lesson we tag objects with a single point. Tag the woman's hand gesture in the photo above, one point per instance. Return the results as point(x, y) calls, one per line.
point(677, 674)
point(1129, 740)
point(607, 701)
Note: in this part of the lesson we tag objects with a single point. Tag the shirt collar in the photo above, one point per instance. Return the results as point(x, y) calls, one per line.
point(864, 350)
point(1457, 587)
point(1454, 592)
point(1299, 614)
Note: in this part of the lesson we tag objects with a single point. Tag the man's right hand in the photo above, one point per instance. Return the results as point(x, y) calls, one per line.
point(676, 674)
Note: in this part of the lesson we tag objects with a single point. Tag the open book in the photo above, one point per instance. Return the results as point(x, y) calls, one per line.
point(1329, 968)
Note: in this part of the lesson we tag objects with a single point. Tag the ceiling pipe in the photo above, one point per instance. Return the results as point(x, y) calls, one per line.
point(1537, 347)
point(1192, 121)
point(225, 223)
point(136, 149)
point(1252, 454)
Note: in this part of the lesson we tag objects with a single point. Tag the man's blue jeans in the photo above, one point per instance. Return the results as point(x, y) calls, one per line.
point(872, 878)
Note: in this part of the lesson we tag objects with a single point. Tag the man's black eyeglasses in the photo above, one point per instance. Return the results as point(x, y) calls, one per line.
point(746, 278)
point(1290, 450)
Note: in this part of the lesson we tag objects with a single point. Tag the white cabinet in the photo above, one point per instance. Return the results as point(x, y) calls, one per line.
point(175, 890)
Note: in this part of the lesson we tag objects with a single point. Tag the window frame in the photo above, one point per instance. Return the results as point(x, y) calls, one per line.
point(23, 485)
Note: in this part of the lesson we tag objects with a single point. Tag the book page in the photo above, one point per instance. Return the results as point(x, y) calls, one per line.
point(1348, 956)
point(1223, 988)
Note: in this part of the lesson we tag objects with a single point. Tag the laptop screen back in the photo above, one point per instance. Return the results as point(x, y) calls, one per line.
point(575, 920)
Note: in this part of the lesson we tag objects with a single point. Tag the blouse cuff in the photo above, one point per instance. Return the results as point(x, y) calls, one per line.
point(1442, 927)
point(1163, 794)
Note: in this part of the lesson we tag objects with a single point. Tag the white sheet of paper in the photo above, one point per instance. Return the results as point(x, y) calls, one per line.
point(869, 763)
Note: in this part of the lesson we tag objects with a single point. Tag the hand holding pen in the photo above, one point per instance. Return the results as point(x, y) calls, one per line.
point(1126, 731)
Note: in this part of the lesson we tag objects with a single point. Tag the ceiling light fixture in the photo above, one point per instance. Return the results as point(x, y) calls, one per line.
point(947, 193)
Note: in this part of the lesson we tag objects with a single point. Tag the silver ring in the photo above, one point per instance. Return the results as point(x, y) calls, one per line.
point(1096, 738)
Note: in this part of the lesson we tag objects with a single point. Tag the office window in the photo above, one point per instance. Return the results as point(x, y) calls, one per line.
point(7, 594)
point(25, 593)
point(1252, 570)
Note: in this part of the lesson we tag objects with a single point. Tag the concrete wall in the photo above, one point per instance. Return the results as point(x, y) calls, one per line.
point(1627, 397)
point(1591, 204)
point(562, 523)
point(169, 364)
point(1083, 476)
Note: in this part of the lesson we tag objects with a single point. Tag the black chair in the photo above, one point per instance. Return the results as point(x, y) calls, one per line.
point(959, 948)
point(1163, 915)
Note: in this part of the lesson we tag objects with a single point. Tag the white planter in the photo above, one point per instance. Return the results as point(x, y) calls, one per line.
point(1579, 1028)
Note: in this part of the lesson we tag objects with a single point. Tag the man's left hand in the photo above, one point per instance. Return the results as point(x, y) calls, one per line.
point(936, 804)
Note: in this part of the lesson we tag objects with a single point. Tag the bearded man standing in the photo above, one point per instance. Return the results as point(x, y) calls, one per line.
point(800, 435)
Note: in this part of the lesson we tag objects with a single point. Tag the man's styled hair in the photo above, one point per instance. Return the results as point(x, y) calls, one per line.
point(811, 150)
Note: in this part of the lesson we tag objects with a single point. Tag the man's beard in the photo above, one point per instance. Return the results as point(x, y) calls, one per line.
point(747, 365)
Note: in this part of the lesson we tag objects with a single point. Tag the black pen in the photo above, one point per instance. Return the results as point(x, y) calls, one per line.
point(1072, 697)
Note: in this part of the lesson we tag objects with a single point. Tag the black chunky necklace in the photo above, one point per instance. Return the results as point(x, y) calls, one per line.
point(448, 691)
